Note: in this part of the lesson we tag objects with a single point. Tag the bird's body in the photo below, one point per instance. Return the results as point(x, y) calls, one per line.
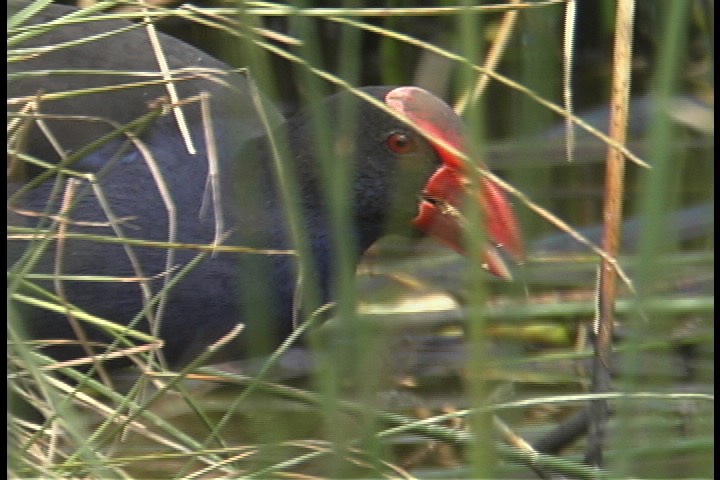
point(148, 186)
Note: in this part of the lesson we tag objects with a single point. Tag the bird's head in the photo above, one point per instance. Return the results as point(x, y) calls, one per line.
point(407, 148)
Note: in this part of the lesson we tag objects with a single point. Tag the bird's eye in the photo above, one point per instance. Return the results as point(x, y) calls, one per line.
point(401, 143)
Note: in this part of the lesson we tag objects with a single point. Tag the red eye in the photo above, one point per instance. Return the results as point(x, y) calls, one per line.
point(401, 143)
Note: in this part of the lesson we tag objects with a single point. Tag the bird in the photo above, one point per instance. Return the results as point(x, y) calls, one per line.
point(135, 177)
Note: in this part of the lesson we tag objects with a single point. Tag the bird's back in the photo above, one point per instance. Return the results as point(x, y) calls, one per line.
point(146, 185)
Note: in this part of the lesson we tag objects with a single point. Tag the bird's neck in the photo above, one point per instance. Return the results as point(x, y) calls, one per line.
point(334, 246)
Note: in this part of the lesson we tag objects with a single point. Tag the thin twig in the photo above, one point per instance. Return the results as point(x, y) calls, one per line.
point(614, 188)
point(494, 55)
point(568, 48)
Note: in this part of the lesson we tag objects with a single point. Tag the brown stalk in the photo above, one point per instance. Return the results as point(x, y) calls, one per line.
point(612, 213)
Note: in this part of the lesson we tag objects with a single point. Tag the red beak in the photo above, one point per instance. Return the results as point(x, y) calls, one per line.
point(440, 211)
